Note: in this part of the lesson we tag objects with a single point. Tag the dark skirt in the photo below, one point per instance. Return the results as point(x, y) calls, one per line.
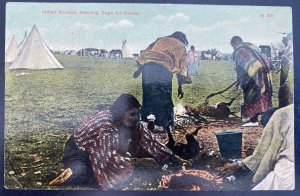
point(157, 94)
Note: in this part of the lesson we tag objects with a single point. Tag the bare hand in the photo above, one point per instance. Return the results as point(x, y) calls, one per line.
point(137, 72)
point(182, 161)
point(180, 92)
point(229, 168)
point(144, 162)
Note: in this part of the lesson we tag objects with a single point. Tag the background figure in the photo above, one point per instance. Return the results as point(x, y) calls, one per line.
point(286, 88)
point(193, 62)
point(253, 77)
point(285, 98)
point(167, 55)
point(286, 57)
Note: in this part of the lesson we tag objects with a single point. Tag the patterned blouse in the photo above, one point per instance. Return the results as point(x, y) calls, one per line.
point(100, 138)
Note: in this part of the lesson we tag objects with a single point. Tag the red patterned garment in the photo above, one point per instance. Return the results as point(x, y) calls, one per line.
point(254, 78)
point(100, 138)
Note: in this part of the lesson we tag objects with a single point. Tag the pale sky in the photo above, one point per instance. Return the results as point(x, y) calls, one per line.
point(206, 26)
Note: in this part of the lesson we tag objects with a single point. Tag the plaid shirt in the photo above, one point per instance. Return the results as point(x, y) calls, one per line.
point(99, 137)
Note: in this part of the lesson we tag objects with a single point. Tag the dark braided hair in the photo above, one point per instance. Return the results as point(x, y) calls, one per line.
point(180, 36)
point(123, 103)
point(236, 40)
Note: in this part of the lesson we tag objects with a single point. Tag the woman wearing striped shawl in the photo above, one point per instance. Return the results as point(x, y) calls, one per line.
point(100, 150)
point(253, 77)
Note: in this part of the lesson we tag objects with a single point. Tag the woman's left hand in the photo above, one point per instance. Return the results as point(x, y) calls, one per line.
point(229, 168)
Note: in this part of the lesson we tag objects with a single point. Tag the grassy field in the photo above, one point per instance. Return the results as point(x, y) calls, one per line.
point(43, 107)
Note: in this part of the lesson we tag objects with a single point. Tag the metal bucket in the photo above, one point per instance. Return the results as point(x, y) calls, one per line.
point(230, 144)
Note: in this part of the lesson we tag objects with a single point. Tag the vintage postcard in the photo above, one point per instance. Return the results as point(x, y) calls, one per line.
point(133, 96)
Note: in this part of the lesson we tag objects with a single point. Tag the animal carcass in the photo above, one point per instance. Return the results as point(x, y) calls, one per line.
point(220, 111)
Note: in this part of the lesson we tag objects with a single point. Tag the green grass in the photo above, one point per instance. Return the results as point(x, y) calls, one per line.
point(43, 107)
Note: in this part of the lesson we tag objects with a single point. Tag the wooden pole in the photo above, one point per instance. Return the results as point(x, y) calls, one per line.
point(219, 92)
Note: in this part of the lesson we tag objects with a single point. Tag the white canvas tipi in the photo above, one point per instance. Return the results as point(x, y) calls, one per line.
point(12, 51)
point(35, 54)
point(125, 50)
point(23, 41)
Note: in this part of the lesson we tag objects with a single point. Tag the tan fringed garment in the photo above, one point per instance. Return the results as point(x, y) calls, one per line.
point(169, 52)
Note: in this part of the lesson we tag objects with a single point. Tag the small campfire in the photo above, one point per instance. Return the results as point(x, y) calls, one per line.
point(194, 180)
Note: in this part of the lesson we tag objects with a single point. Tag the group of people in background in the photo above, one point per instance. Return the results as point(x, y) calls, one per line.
point(101, 148)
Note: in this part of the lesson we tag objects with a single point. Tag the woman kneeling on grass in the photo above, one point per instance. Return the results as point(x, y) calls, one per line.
point(100, 150)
